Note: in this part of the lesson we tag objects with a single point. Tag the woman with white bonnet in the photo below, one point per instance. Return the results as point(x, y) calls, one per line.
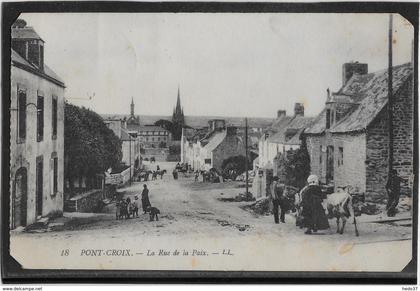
point(313, 213)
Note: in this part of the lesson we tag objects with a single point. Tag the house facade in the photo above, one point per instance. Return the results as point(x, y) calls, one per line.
point(209, 148)
point(348, 143)
point(130, 143)
point(282, 135)
point(37, 131)
point(152, 136)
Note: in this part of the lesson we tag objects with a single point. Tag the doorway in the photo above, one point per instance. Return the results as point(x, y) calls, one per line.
point(330, 165)
point(19, 199)
point(39, 185)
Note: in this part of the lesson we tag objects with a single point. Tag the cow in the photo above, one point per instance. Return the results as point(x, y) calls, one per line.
point(339, 205)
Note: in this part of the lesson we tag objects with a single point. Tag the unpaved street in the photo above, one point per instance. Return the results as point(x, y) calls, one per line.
point(192, 218)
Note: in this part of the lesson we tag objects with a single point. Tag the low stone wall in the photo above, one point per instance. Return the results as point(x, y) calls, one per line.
point(87, 202)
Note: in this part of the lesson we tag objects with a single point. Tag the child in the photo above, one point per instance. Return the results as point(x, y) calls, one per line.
point(136, 206)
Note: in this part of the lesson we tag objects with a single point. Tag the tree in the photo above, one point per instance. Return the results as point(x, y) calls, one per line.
point(90, 147)
point(297, 166)
point(166, 124)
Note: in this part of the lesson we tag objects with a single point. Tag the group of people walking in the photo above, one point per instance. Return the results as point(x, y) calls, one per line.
point(130, 208)
point(310, 212)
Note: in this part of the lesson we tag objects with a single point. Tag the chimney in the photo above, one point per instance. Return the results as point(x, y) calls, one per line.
point(231, 130)
point(328, 94)
point(299, 109)
point(354, 67)
point(281, 113)
point(216, 124)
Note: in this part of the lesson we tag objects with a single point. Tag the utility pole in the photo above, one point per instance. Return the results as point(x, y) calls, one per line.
point(130, 155)
point(246, 155)
point(390, 100)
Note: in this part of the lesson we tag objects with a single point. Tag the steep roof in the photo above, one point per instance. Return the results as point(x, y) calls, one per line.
point(295, 125)
point(125, 136)
point(371, 93)
point(280, 123)
point(47, 73)
point(318, 126)
point(215, 140)
point(25, 33)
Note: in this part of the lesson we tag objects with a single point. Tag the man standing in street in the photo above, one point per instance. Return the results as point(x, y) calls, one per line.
point(276, 196)
point(393, 187)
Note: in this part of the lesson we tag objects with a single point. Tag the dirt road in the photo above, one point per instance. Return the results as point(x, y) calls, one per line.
point(193, 219)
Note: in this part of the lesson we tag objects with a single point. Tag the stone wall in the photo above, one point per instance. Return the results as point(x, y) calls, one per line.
point(230, 147)
point(377, 158)
point(377, 146)
point(403, 114)
point(352, 169)
point(317, 159)
point(86, 202)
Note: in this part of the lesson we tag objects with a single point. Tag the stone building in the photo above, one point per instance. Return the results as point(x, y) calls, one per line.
point(348, 143)
point(130, 148)
point(282, 135)
point(37, 131)
point(209, 147)
point(130, 143)
point(152, 136)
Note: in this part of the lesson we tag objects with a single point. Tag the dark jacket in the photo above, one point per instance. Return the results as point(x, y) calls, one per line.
point(394, 184)
point(145, 198)
point(313, 213)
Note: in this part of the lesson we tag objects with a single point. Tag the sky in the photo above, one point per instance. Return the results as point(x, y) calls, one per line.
point(226, 64)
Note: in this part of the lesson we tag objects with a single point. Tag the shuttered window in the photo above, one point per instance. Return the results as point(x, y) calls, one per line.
point(21, 115)
point(55, 178)
point(40, 118)
point(54, 117)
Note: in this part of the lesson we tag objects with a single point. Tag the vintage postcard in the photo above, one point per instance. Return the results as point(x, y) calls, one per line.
point(212, 141)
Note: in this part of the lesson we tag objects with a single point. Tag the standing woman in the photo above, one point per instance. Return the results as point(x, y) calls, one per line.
point(313, 213)
point(145, 202)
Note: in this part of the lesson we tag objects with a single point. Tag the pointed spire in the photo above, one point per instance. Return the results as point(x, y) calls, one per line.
point(132, 107)
point(178, 102)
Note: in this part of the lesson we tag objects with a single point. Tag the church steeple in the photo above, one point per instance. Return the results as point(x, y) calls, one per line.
point(178, 118)
point(132, 107)
point(178, 110)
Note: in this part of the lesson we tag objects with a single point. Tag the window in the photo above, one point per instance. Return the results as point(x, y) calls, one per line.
point(54, 117)
point(328, 113)
point(40, 118)
point(340, 160)
point(207, 161)
point(33, 52)
point(55, 178)
point(53, 174)
point(21, 115)
point(320, 154)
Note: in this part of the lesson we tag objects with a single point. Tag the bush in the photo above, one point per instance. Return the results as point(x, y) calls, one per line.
point(175, 149)
point(232, 167)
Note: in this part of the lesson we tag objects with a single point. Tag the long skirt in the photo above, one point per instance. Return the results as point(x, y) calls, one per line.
point(145, 203)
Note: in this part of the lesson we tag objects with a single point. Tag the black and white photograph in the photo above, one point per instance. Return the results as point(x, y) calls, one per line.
point(255, 142)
